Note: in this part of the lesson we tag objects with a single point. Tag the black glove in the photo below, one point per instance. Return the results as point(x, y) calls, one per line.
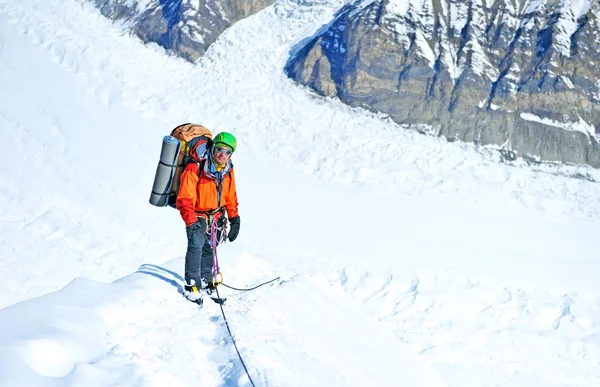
point(235, 228)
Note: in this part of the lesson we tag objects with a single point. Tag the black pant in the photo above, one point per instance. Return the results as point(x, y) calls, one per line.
point(199, 256)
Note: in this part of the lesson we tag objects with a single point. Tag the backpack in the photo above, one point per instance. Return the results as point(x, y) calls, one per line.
point(174, 156)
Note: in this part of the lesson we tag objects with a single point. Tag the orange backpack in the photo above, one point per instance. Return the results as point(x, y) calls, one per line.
point(175, 155)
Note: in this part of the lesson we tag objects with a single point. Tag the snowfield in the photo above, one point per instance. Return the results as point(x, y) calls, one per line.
point(403, 260)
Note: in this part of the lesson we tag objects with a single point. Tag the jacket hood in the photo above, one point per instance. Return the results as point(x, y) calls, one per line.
point(200, 151)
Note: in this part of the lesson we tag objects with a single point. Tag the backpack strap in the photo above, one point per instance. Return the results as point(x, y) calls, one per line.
point(201, 164)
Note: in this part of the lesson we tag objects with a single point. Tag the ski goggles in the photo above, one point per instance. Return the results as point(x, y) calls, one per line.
point(225, 151)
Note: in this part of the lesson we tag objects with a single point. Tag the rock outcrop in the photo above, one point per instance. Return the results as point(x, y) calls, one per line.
point(184, 27)
point(521, 75)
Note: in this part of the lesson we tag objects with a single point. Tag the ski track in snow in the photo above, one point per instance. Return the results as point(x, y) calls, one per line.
point(443, 327)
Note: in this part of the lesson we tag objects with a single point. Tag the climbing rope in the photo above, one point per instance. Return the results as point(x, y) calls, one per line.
point(256, 287)
point(216, 273)
point(233, 340)
point(214, 240)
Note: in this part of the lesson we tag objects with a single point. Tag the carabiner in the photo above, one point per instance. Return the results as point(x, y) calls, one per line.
point(215, 282)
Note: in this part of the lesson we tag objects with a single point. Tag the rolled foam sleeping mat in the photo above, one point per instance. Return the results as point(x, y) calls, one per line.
point(163, 178)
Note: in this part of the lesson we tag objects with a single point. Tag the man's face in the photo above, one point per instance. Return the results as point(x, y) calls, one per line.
point(221, 153)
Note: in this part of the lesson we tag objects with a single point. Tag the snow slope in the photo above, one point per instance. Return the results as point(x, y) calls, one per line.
point(404, 260)
point(144, 334)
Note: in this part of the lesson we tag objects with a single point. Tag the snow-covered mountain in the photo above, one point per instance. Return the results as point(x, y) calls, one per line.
point(402, 259)
point(184, 27)
point(521, 75)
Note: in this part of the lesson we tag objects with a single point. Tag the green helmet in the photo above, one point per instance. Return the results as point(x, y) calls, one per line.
point(225, 139)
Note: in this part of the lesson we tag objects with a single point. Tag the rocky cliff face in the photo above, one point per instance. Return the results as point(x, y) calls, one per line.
point(522, 75)
point(184, 27)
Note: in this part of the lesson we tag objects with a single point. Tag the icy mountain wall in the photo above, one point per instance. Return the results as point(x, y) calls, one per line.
point(184, 27)
point(523, 75)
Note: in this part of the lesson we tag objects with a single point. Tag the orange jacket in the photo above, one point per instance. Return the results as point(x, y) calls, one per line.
point(199, 192)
